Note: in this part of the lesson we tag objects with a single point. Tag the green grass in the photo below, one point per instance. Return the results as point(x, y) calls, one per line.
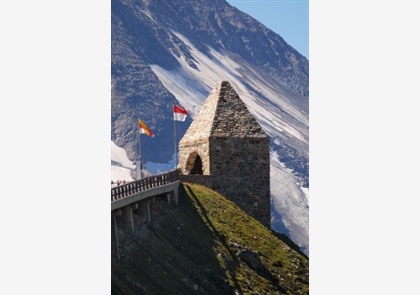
point(194, 249)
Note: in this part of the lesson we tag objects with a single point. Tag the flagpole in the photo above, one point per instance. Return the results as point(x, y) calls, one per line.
point(141, 157)
point(176, 159)
point(139, 172)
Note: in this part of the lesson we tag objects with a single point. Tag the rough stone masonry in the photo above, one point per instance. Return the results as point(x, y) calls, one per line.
point(226, 149)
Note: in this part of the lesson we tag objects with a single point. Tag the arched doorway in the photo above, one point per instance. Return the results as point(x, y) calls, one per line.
point(194, 164)
point(198, 166)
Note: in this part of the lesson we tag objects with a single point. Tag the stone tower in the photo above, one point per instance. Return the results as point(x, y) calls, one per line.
point(226, 149)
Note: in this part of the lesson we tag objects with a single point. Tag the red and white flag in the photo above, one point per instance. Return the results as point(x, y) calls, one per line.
point(180, 114)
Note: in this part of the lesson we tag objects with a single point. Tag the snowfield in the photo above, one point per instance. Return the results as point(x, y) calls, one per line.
point(121, 166)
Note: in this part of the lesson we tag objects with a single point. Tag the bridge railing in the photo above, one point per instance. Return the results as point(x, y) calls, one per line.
point(132, 188)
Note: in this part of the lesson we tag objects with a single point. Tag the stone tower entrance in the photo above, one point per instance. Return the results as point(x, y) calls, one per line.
point(197, 166)
point(229, 148)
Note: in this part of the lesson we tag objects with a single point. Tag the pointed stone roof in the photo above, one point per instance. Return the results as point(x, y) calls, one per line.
point(223, 114)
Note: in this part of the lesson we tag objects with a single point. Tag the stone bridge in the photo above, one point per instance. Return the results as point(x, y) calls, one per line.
point(135, 201)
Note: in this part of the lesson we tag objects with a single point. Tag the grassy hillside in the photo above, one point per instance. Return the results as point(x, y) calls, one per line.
point(207, 245)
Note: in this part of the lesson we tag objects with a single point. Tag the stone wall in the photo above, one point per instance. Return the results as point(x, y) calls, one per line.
point(241, 172)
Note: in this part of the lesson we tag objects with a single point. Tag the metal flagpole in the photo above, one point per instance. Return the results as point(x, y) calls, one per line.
point(139, 165)
point(176, 158)
point(141, 157)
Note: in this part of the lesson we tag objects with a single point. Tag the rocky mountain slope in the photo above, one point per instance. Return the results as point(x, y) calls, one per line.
point(207, 245)
point(172, 51)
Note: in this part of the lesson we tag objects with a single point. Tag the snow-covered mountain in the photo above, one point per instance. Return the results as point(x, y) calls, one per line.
point(172, 51)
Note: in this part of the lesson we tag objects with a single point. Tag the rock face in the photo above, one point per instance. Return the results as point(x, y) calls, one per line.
point(226, 142)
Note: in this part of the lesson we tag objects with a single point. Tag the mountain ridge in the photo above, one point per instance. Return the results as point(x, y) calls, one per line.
point(166, 52)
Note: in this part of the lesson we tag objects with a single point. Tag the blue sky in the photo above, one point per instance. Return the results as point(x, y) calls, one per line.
point(288, 18)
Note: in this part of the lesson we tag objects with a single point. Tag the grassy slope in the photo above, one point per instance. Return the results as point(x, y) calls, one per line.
point(207, 245)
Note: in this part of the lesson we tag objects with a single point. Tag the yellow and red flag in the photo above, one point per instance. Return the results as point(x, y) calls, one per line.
point(145, 129)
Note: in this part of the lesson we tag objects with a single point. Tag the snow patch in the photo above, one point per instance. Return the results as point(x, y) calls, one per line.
point(290, 200)
point(121, 166)
point(119, 156)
